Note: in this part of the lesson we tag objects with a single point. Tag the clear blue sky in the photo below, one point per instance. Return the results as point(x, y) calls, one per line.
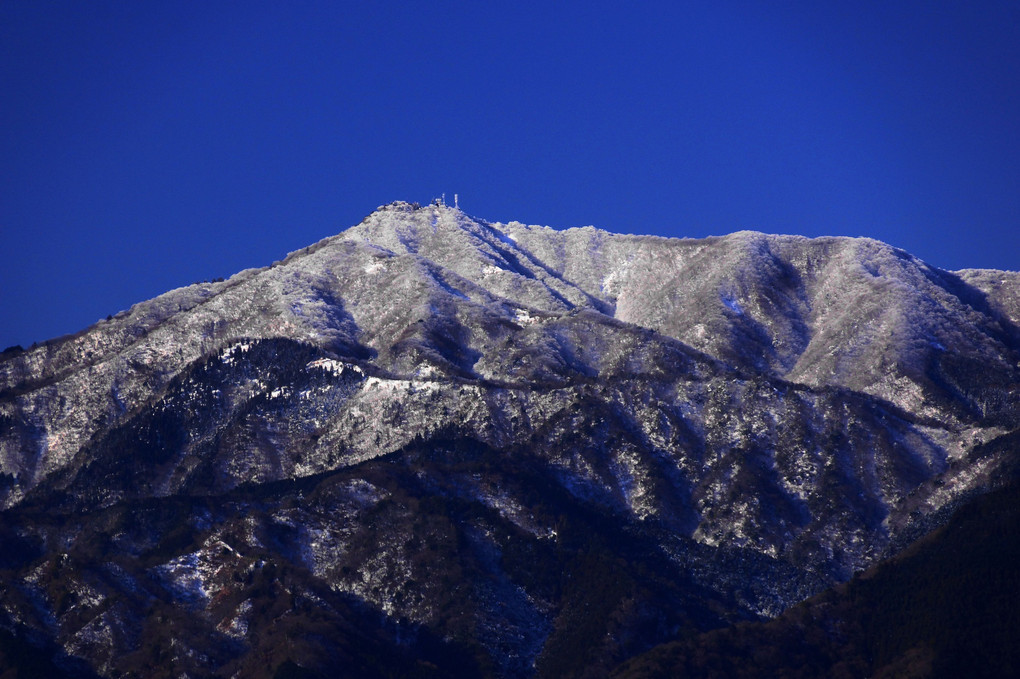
point(147, 145)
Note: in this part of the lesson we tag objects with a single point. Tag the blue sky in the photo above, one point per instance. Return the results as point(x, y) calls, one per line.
point(145, 146)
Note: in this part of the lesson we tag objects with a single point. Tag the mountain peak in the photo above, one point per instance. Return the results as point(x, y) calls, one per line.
point(522, 446)
point(411, 223)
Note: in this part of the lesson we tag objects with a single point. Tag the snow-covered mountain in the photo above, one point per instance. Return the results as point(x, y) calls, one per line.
point(447, 443)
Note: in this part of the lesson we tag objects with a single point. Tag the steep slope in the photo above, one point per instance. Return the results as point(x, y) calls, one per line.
point(469, 428)
point(835, 312)
point(946, 607)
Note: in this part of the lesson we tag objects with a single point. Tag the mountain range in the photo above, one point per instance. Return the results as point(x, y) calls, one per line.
point(437, 446)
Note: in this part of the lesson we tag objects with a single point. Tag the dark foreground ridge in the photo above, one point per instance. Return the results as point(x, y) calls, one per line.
point(945, 607)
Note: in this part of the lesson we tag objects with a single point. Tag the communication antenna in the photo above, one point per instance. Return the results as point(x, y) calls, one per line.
point(455, 206)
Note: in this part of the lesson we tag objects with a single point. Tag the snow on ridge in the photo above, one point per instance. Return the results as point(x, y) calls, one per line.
point(334, 366)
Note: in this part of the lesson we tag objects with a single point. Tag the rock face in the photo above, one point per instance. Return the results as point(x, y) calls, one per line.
point(433, 444)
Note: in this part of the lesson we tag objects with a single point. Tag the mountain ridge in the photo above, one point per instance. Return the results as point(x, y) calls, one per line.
point(792, 409)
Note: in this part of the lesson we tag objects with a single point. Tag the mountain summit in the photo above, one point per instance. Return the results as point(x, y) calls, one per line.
point(437, 444)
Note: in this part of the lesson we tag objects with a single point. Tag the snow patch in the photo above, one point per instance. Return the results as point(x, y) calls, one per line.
point(524, 317)
point(184, 575)
point(336, 367)
point(491, 270)
point(227, 355)
point(385, 386)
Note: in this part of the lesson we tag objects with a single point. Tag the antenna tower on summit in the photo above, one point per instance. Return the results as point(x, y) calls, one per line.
point(455, 206)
